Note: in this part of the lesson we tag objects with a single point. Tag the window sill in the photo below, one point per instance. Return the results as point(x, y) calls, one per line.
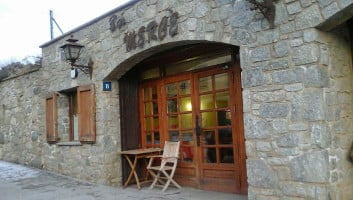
point(71, 143)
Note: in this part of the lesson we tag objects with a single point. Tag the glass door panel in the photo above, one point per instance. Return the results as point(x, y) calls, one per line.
point(221, 81)
point(205, 84)
point(185, 104)
point(222, 100)
point(206, 102)
point(186, 121)
point(208, 119)
point(150, 115)
point(215, 106)
point(184, 87)
point(180, 116)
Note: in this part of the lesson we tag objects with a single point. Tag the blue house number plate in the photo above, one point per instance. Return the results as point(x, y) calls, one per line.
point(107, 86)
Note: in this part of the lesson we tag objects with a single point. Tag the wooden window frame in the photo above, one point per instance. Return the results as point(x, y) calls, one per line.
point(86, 111)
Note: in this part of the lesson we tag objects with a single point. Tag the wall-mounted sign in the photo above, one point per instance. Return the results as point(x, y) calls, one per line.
point(107, 86)
point(153, 30)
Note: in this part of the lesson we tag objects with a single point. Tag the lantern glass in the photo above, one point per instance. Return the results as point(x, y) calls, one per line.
point(72, 51)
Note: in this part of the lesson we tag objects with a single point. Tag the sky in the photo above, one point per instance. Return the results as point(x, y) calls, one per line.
point(25, 24)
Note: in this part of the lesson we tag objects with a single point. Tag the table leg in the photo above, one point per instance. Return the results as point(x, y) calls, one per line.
point(132, 172)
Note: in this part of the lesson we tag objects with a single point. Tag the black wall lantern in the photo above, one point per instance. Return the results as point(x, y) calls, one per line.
point(72, 52)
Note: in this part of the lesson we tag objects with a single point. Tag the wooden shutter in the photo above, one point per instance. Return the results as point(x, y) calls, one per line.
point(86, 113)
point(51, 118)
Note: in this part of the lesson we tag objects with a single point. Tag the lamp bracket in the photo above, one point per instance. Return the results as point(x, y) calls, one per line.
point(87, 69)
point(267, 8)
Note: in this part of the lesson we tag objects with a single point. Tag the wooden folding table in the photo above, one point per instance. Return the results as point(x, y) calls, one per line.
point(132, 156)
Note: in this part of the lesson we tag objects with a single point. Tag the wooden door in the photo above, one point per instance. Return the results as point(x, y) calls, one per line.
point(220, 130)
point(201, 110)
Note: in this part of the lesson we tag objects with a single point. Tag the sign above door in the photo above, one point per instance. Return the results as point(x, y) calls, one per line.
point(153, 31)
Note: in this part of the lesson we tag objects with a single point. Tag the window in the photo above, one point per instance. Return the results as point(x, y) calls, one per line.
point(70, 115)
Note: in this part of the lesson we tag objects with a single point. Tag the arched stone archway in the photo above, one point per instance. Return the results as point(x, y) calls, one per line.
point(228, 155)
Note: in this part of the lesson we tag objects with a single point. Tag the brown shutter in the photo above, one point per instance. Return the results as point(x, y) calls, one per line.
point(86, 114)
point(129, 117)
point(51, 118)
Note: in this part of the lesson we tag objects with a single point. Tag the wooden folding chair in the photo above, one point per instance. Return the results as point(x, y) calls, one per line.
point(168, 163)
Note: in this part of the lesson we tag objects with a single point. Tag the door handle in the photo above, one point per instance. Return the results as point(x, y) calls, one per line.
point(198, 131)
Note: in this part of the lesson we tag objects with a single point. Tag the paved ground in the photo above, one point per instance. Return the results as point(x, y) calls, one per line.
point(24, 183)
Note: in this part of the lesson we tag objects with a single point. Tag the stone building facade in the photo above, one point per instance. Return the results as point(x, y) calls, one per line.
point(296, 82)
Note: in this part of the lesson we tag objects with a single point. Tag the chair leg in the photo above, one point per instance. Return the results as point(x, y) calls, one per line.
point(156, 177)
point(170, 179)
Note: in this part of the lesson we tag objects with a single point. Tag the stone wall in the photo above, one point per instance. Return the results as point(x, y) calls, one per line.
point(297, 94)
point(21, 119)
point(297, 116)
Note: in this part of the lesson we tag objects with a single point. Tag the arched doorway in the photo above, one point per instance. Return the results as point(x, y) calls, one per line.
point(192, 94)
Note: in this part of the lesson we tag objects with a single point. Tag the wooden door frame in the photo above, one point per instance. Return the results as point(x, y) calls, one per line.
point(237, 126)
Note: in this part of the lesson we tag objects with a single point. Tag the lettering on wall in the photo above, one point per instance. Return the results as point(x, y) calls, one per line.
point(152, 32)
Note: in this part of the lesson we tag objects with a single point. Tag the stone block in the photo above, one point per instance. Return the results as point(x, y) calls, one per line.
point(313, 104)
point(288, 76)
point(294, 87)
point(298, 190)
point(274, 110)
point(306, 54)
point(345, 3)
point(320, 135)
point(280, 126)
point(271, 96)
point(250, 149)
point(288, 140)
point(316, 76)
point(281, 48)
point(330, 10)
point(314, 35)
point(296, 42)
point(225, 12)
point(256, 128)
point(260, 54)
point(324, 56)
point(243, 18)
point(285, 152)
point(281, 13)
point(261, 175)
point(294, 7)
point(277, 64)
point(287, 28)
point(2, 138)
point(324, 3)
point(344, 98)
point(34, 136)
point(263, 146)
point(37, 162)
point(283, 173)
point(223, 2)
point(312, 167)
point(305, 3)
point(201, 9)
point(300, 126)
point(246, 101)
point(309, 17)
point(253, 77)
point(267, 37)
point(242, 37)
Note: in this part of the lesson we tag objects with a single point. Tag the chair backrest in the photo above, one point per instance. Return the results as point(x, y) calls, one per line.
point(171, 151)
